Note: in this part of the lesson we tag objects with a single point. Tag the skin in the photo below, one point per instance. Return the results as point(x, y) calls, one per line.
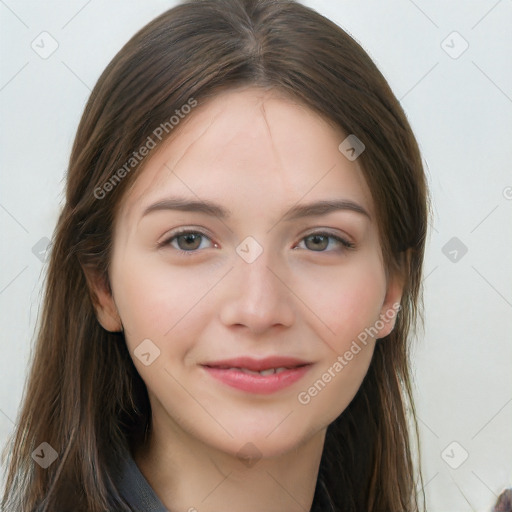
point(257, 154)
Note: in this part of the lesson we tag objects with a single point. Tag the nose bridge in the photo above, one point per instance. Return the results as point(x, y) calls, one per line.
point(259, 299)
point(257, 279)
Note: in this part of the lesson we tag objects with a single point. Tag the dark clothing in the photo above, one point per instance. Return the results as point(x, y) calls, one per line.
point(137, 492)
point(135, 489)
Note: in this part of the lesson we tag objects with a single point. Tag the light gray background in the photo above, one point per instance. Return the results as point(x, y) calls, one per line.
point(461, 111)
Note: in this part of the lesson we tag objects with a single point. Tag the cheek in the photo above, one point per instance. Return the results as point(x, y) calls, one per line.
point(154, 300)
point(350, 303)
point(345, 300)
point(333, 387)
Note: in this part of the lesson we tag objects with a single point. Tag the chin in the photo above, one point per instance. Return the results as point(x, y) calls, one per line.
point(251, 444)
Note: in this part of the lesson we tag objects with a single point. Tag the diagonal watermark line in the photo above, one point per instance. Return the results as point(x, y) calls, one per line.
point(463, 495)
point(75, 15)
point(215, 488)
point(13, 218)
point(19, 19)
point(199, 403)
point(279, 424)
point(494, 288)
point(430, 273)
point(186, 185)
point(420, 80)
point(200, 299)
point(484, 484)
point(297, 202)
point(303, 303)
point(485, 218)
point(492, 418)
point(424, 13)
point(426, 425)
point(14, 76)
point(485, 15)
point(286, 491)
point(492, 81)
point(76, 75)
point(425, 485)
point(13, 279)
point(7, 417)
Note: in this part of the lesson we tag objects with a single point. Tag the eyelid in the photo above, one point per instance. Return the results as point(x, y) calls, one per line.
point(347, 241)
point(184, 230)
point(342, 244)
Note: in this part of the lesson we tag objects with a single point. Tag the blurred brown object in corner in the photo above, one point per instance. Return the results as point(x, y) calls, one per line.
point(504, 503)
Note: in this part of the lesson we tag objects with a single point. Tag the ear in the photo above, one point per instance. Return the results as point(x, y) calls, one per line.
point(103, 301)
point(391, 305)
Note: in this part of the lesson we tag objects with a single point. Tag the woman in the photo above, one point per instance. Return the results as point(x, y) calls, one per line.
point(233, 279)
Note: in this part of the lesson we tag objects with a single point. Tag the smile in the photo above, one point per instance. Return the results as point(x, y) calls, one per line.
point(262, 376)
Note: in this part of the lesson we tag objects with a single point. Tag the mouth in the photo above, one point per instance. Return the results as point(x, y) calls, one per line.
point(263, 373)
point(261, 376)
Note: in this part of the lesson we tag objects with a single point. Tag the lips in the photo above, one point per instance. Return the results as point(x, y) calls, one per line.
point(269, 371)
point(262, 376)
point(258, 365)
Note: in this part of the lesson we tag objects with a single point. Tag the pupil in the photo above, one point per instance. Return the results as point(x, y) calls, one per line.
point(319, 242)
point(191, 241)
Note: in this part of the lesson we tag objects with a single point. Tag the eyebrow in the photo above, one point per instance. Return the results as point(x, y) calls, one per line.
point(298, 211)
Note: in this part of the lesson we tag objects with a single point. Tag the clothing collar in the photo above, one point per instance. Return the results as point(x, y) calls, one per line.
point(141, 497)
point(135, 489)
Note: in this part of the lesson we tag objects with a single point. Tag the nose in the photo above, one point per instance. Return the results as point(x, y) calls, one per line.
point(257, 297)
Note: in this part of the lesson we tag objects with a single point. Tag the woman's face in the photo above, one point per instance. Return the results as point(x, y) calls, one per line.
point(249, 242)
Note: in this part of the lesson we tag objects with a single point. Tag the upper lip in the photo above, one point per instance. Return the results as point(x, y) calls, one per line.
point(258, 365)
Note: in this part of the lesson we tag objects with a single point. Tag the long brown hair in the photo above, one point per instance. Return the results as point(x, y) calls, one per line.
point(84, 396)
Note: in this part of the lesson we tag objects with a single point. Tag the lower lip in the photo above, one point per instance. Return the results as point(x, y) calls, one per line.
point(261, 384)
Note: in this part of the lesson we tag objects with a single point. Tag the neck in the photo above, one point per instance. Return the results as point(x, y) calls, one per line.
point(188, 475)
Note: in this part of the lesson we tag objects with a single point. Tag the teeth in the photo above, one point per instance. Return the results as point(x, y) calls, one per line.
point(269, 371)
point(246, 370)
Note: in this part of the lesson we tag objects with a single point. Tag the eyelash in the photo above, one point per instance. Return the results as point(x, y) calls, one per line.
point(342, 241)
point(167, 242)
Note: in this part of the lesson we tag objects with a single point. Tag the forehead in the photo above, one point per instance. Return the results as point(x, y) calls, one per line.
point(249, 145)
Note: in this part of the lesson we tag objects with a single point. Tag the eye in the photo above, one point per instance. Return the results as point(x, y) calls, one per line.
point(188, 241)
point(325, 242)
